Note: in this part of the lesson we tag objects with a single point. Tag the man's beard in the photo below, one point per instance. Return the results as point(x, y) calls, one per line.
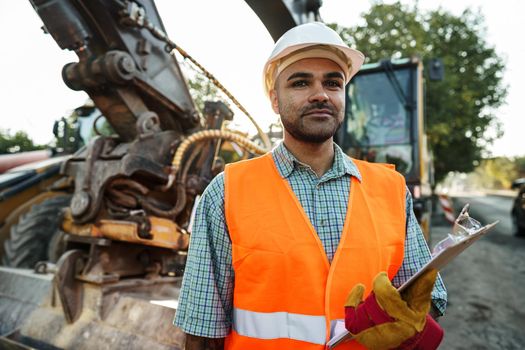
point(301, 132)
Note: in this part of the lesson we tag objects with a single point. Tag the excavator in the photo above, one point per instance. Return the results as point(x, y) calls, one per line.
point(95, 242)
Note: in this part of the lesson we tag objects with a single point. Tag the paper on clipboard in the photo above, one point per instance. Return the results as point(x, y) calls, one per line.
point(448, 254)
point(437, 262)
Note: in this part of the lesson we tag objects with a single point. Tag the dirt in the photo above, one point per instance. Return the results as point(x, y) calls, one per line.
point(486, 288)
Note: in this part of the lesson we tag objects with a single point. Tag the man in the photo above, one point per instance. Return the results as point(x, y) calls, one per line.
point(280, 240)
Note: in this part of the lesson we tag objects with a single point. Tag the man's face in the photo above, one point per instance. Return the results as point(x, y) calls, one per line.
point(310, 97)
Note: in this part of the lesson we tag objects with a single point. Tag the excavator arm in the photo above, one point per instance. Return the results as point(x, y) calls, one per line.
point(279, 16)
point(125, 69)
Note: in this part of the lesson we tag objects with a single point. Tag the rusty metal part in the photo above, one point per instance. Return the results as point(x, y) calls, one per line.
point(124, 195)
point(175, 210)
point(164, 233)
point(94, 151)
point(195, 185)
point(109, 261)
point(113, 67)
point(81, 201)
point(93, 171)
point(67, 286)
point(95, 128)
point(114, 58)
point(218, 166)
point(128, 183)
point(69, 225)
point(192, 185)
point(148, 124)
point(143, 225)
point(137, 284)
point(136, 17)
point(97, 268)
point(115, 211)
point(122, 198)
point(200, 163)
point(189, 162)
point(216, 112)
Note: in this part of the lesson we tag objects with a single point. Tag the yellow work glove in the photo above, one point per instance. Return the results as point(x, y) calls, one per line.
point(388, 320)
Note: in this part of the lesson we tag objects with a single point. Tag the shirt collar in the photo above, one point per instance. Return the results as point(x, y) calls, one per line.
point(286, 162)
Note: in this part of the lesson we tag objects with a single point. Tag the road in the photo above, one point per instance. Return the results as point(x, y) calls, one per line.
point(486, 284)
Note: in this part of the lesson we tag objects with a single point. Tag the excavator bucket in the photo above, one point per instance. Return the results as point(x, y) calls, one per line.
point(137, 314)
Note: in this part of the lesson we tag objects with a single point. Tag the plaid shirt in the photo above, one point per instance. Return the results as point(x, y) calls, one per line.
point(206, 298)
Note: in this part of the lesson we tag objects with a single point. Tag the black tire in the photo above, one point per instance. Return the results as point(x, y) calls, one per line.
point(30, 238)
point(516, 229)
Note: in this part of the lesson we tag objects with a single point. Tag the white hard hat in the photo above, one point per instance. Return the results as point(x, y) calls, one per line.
point(310, 40)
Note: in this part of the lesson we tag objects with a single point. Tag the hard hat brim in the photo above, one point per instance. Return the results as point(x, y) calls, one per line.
point(354, 60)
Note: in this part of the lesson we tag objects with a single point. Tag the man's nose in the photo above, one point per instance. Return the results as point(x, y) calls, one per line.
point(318, 93)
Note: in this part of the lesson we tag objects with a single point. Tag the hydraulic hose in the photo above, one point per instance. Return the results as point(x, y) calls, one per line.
point(207, 135)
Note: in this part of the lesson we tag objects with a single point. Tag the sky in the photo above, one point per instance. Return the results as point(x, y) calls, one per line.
point(231, 42)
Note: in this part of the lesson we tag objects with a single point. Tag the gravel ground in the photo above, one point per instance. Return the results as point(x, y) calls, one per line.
point(486, 287)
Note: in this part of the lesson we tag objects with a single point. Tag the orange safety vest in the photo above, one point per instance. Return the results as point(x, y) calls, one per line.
point(286, 294)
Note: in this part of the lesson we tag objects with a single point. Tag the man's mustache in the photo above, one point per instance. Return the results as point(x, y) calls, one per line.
point(317, 105)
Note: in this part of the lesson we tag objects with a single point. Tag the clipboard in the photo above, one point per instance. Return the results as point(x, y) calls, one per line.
point(448, 254)
point(437, 262)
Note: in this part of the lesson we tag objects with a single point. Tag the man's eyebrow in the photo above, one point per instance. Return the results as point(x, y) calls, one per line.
point(335, 75)
point(300, 75)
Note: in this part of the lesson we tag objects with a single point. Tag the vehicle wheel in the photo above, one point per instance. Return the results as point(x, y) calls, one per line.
point(30, 238)
point(516, 229)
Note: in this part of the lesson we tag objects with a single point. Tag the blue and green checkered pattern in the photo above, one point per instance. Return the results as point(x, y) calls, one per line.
point(206, 299)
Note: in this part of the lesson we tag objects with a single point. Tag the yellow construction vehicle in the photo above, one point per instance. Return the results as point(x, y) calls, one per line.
point(384, 123)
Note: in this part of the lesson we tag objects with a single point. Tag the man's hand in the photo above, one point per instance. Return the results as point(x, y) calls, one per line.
point(200, 343)
point(387, 320)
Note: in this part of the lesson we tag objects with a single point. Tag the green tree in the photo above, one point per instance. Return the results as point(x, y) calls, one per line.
point(460, 108)
point(202, 89)
point(520, 166)
point(17, 142)
point(496, 173)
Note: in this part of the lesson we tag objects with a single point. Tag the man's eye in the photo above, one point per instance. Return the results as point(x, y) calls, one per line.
point(299, 83)
point(333, 83)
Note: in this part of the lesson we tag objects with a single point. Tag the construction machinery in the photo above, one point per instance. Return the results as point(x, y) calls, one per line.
point(95, 242)
point(384, 122)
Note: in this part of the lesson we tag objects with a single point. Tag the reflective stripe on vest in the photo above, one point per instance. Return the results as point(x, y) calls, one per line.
point(282, 273)
point(274, 325)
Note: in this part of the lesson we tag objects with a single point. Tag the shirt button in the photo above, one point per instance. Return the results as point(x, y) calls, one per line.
point(323, 221)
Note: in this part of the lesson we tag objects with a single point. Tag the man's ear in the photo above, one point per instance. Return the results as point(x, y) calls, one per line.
point(274, 101)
